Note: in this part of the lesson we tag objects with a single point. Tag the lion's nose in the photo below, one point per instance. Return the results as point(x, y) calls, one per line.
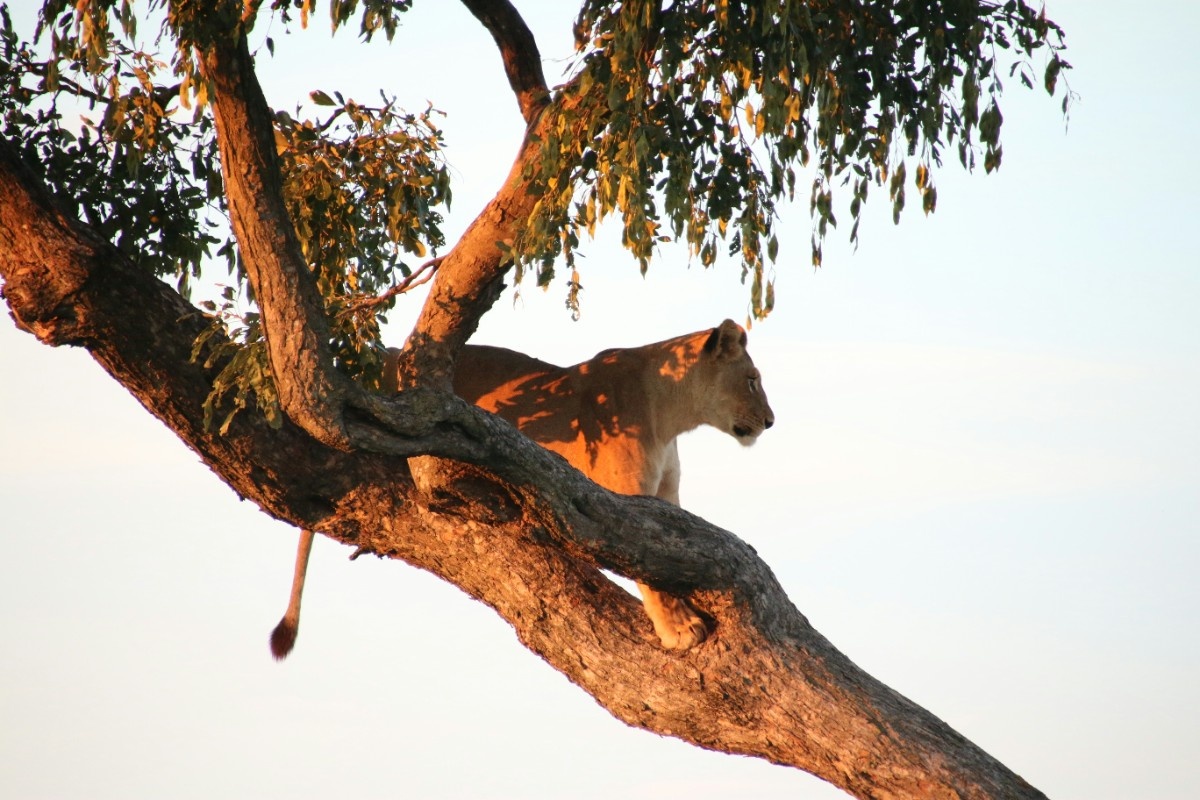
point(768, 422)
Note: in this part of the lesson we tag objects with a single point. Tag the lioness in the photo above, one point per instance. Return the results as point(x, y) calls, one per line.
point(616, 418)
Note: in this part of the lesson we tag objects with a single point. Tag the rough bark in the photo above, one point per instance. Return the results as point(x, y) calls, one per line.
point(766, 685)
point(293, 316)
point(510, 523)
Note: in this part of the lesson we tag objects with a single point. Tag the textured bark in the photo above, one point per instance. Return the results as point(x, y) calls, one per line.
point(506, 521)
point(521, 531)
point(293, 316)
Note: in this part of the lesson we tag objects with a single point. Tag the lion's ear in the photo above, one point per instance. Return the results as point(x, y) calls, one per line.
point(726, 340)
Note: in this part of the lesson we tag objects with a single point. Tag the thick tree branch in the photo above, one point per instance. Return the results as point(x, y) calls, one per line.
point(767, 684)
point(311, 393)
point(471, 275)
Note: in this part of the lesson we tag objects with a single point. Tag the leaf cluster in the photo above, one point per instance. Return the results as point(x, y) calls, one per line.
point(690, 121)
point(93, 113)
point(233, 344)
point(125, 134)
point(375, 15)
point(362, 187)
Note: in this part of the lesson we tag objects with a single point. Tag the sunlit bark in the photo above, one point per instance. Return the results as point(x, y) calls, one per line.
point(506, 521)
point(766, 685)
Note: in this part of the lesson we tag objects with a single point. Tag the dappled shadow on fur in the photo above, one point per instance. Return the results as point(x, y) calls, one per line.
point(616, 416)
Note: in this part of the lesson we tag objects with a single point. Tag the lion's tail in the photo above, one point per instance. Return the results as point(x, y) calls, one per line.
point(283, 638)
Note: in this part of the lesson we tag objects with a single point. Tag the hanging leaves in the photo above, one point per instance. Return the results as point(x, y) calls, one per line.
point(142, 176)
point(363, 186)
point(687, 121)
point(698, 114)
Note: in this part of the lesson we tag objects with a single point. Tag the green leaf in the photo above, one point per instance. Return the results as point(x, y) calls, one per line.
point(1052, 70)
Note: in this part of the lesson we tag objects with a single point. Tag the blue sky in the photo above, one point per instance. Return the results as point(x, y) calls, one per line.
point(982, 485)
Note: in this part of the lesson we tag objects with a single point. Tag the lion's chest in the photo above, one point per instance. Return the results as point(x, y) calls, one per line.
point(615, 448)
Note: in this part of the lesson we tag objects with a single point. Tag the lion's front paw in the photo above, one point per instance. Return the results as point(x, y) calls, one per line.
point(682, 633)
point(676, 623)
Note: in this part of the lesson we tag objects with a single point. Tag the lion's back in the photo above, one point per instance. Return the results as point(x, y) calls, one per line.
point(538, 397)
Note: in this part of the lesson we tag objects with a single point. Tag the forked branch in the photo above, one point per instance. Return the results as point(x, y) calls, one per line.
point(419, 277)
point(767, 684)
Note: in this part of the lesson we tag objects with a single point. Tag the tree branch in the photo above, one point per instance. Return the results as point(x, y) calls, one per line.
point(767, 684)
point(522, 61)
point(311, 393)
point(470, 278)
point(420, 276)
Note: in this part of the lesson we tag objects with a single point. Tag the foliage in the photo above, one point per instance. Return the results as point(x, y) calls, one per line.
point(689, 120)
point(143, 178)
point(235, 343)
point(362, 185)
point(693, 117)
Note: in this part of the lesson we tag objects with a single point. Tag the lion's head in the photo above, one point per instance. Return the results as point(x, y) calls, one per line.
point(734, 400)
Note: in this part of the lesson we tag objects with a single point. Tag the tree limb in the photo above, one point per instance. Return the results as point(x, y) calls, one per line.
point(420, 276)
point(767, 684)
point(311, 393)
point(471, 275)
point(522, 61)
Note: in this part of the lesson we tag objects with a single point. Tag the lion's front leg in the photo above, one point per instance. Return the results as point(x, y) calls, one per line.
point(676, 623)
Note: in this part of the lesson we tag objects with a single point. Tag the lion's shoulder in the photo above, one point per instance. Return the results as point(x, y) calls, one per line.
point(484, 370)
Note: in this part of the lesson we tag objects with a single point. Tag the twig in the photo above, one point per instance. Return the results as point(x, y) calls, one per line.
point(420, 275)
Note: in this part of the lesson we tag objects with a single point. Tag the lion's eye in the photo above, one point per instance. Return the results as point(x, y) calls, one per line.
point(752, 382)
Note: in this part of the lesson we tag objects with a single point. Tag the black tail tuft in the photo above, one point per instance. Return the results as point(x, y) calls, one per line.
point(283, 639)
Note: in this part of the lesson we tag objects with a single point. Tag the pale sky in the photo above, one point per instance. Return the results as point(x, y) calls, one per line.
point(982, 484)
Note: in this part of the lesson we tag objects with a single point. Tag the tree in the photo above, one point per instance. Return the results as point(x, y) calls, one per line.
point(687, 122)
